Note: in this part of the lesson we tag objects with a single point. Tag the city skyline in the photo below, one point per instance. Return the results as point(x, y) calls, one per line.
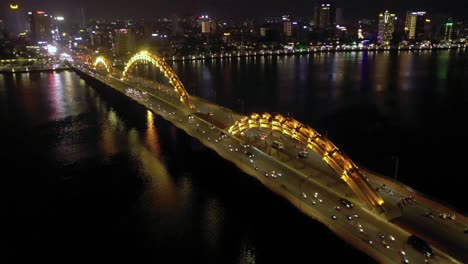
point(354, 9)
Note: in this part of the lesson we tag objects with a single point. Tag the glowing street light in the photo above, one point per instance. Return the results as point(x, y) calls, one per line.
point(52, 49)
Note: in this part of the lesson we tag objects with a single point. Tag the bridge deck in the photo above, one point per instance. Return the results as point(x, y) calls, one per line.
point(313, 188)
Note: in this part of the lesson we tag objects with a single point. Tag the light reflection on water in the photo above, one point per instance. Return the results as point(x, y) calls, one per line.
point(373, 105)
point(152, 139)
point(148, 191)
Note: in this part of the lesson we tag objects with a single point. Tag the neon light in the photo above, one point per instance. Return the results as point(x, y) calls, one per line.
point(12, 6)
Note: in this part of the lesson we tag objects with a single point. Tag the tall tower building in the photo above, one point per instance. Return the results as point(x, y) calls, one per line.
point(287, 26)
point(448, 31)
point(206, 27)
point(386, 28)
point(79, 17)
point(415, 25)
point(124, 41)
point(325, 15)
point(41, 27)
point(15, 18)
point(205, 23)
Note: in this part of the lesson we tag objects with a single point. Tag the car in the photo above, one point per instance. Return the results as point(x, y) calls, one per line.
point(303, 154)
point(278, 145)
point(420, 245)
point(346, 203)
point(384, 244)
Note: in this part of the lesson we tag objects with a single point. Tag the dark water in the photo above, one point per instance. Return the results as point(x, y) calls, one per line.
point(410, 105)
point(89, 177)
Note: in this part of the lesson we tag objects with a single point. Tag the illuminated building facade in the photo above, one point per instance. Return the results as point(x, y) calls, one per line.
point(386, 28)
point(205, 27)
point(448, 31)
point(325, 15)
point(205, 22)
point(41, 27)
point(124, 42)
point(417, 25)
point(287, 26)
point(15, 20)
point(264, 31)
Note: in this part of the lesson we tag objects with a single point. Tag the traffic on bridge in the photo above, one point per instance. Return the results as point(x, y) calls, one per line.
point(389, 222)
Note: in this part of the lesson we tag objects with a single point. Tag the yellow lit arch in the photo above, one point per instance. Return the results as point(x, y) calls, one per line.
point(103, 61)
point(321, 145)
point(145, 56)
point(13, 6)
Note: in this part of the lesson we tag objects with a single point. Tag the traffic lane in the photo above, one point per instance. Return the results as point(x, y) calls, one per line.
point(330, 211)
point(414, 216)
point(407, 191)
point(327, 209)
point(267, 162)
point(290, 185)
point(442, 235)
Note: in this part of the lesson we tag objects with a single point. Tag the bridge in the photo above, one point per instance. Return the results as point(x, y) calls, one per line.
point(296, 162)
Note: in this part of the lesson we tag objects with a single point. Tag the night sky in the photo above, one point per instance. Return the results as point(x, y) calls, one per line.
point(235, 8)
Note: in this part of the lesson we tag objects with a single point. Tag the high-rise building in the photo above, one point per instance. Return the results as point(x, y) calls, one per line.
point(124, 42)
point(205, 22)
point(205, 27)
point(41, 27)
point(325, 15)
point(339, 18)
point(177, 29)
point(415, 25)
point(264, 31)
point(386, 28)
point(15, 19)
point(448, 31)
point(287, 26)
point(79, 17)
point(427, 29)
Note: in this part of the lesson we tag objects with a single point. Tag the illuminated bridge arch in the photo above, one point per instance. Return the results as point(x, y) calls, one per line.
point(145, 56)
point(101, 60)
point(321, 145)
